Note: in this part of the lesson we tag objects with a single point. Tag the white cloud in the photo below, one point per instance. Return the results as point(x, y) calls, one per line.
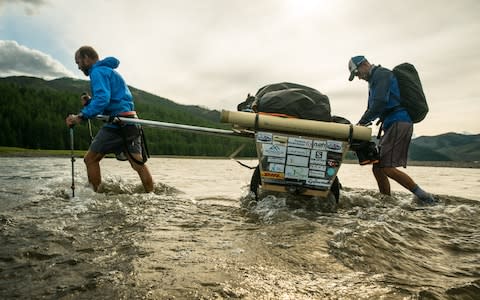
point(16, 59)
point(30, 6)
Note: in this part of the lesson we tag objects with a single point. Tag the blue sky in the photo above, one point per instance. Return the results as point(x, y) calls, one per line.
point(214, 52)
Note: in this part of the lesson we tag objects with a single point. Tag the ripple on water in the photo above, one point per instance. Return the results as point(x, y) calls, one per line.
point(414, 247)
point(125, 244)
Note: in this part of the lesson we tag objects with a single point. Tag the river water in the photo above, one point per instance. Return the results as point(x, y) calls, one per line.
point(199, 235)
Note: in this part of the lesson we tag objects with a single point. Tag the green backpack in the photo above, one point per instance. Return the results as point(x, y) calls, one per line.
point(411, 91)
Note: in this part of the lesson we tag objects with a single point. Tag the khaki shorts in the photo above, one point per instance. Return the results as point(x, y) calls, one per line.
point(394, 145)
point(114, 140)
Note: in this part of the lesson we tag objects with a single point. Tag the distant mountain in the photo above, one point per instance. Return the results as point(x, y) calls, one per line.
point(446, 147)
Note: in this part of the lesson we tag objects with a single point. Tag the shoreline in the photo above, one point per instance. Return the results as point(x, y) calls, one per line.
point(22, 152)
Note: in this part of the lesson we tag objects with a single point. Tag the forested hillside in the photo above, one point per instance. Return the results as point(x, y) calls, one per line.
point(32, 113)
point(454, 146)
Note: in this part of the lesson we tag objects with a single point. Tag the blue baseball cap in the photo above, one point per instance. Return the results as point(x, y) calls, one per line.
point(353, 65)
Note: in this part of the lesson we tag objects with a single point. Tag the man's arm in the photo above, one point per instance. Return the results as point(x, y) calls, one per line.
point(101, 95)
point(378, 98)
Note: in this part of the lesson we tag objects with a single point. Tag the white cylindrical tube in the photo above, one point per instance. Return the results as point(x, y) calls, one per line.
point(298, 126)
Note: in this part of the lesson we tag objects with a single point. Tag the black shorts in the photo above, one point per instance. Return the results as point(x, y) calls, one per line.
point(394, 145)
point(114, 140)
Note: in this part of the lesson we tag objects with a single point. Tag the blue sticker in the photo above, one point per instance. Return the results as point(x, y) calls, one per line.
point(330, 171)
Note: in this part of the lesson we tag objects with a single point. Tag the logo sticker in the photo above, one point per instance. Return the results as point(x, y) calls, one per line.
point(317, 182)
point(301, 143)
point(277, 160)
point(272, 175)
point(320, 145)
point(319, 167)
point(330, 172)
point(298, 151)
point(296, 172)
point(264, 137)
point(274, 150)
point(294, 160)
point(333, 163)
point(318, 155)
point(314, 173)
point(276, 167)
point(334, 146)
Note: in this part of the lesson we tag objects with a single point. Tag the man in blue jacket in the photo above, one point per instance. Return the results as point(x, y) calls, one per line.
point(384, 104)
point(110, 96)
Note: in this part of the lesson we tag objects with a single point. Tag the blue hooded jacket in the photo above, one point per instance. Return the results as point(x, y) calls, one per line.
point(383, 95)
point(110, 93)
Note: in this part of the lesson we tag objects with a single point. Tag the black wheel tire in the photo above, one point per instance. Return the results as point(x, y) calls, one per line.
point(335, 189)
point(255, 181)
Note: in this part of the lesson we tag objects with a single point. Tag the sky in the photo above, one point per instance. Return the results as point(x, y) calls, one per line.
point(212, 53)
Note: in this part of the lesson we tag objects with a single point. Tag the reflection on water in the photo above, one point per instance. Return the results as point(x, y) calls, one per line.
point(199, 236)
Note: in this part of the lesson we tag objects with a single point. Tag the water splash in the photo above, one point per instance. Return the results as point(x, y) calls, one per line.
point(424, 250)
point(126, 244)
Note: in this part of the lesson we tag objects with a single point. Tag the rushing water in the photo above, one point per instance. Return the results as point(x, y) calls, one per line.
point(199, 236)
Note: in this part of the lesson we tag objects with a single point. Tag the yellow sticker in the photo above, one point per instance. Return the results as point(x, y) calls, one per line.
point(273, 175)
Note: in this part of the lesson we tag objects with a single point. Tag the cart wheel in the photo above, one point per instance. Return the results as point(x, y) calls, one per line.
point(255, 182)
point(335, 189)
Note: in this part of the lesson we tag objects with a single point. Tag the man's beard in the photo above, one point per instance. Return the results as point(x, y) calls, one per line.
point(85, 71)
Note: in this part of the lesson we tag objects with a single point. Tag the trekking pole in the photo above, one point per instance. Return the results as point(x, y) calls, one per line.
point(86, 98)
point(90, 130)
point(73, 161)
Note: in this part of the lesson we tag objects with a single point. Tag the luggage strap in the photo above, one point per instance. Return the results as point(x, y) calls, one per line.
point(145, 152)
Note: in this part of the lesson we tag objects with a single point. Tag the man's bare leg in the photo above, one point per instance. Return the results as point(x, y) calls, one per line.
point(402, 178)
point(92, 161)
point(382, 180)
point(142, 171)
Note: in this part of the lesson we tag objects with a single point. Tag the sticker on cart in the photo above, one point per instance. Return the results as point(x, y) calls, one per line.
point(319, 145)
point(333, 163)
point(317, 182)
point(277, 160)
point(319, 167)
point(301, 143)
point(317, 156)
point(280, 139)
point(264, 137)
point(335, 146)
point(294, 172)
point(298, 151)
point(315, 173)
point(272, 175)
point(331, 171)
point(276, 167)
point(274, 150)
point(294, 160)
